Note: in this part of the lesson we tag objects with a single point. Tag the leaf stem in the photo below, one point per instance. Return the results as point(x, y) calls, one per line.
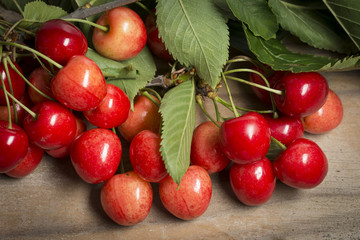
point(103, 28)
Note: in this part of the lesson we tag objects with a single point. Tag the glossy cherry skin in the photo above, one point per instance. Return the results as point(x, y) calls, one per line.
point(54, 127)
point(302, 165)
point(112, 111)
point(271, 76)
point(285, 129)
point(193, 196)
point(126, 36)
point(253, 183)
point(303, 93)
point(126, 198)
point(246, 138)
point(13, 146)
point(20, 112)
point(80, 85)
point(146, 158)
point(154, 42)
point(28, 164)
point(17, 83)
point(65, 151)
point(96, 155)
point(206, 148)
point(145, 116)
point(327, 118)
point(41, 79)
point(60, 40)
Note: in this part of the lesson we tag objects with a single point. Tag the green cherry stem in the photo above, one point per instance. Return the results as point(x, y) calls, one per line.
point(278, 92)
point(7, 103)
point(229, 106)
point(201, 105)
point(18, 7)
point(230, 97)
point(10, 86)
point(282, 146)
point(146, 9)
point(103, 28)
point(218, 116)
point(145, 93)
point(122, 168)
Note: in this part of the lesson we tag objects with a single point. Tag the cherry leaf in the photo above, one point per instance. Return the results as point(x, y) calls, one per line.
point(178, 113)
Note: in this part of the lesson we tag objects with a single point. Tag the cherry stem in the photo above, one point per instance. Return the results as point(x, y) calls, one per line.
point(146, 9)
point(122, 168)
point(103, 28)
point(218, 116)
point(33, 51)
point(278, 92)
point(17, 27)
point(10, 86)
point(201, 105)
point(228, 105)
point(230, 97)
point(18, 7)
point(145, 93)
point(282, 146)
point(7, 103)
point(29, 83)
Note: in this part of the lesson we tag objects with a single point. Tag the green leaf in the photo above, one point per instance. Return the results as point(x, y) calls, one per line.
point(257, 16)
point(273, 53)
point(196, 34)
point(347, 14)
point(310, 26)
point(178, 113)
point(37, 12)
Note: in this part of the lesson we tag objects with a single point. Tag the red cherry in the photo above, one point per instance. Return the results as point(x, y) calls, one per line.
point(253, 183)
point(28, 164)
point(285, 129)
point(272, 77)
point(145, 156)
point(13, 146)
point(302, 165)
point(112, 111)
point(17, 83)
point(206, 148)
point(304, 93)
point(193, 196)
point(246, 138)
point(327, 118)
point(96, 155)
point(126, 198)
point(145, 116)
point(60, 40)
point(41, 79)
point(20, 111)
point(126, 36)
point(54, 126)
point(80, 85)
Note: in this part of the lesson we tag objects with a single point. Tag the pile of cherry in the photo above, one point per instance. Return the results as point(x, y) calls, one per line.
point(51, 119)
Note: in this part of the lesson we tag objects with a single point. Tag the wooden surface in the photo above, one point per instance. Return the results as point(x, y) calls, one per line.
point(54, 203)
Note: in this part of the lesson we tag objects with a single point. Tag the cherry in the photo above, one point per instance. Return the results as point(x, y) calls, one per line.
point(154, 42)
point(271, 76)
point(246, 138)
point(80, 85)
point(113, 109)
point(126, 198)
point(28, 164)
point(285, 129)
point(193, 196)
point(302, 165)
point(145, 116)
point(60, 40)
point(20, 112)
point(96, 155)
point(304, 93)
point(41, 79)
point(145, 156)
point(17, 83)
point(327, 118)
point(206, 148)
point(65, 151)
point(13, 146)
point(54, 126)
point(126, 35)
point(253, 183)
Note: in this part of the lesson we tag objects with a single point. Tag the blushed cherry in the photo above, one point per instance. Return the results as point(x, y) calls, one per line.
point(13, 146)
point(246, 138)
point(206, 148)
point(96, 155)
point(113, 109)
point(17, 83)
point(253, 183)
point(303, 93)
point(80, 85)
point(146, 158)
point(54, 127)
point(28, 164)
point(41, 79)
point(302, 165)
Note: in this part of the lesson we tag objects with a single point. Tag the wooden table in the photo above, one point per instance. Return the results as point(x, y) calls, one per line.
point(54, 203)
